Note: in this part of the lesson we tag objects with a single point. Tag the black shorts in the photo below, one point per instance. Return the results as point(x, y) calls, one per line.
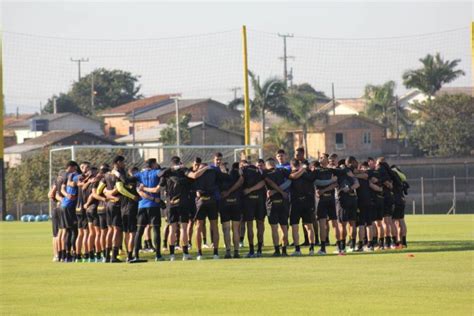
point(129, 218)
point(327, 208)
point(378, 207)
point(253, 207)
point(399, 208)
point(347, 211)
point(67, 217)
point(278, 211)
point(191, 207)
point(230, 210)
point(149, 216)
point(302, 207)
point(113, 215)
point(91, 213)
point(206, 206)
point(388, 206)
point(178, 214)
point(365, 214)
point(81, 220)
point(55, 213)
point(101, 221)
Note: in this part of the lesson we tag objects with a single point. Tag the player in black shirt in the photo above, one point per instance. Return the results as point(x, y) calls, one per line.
point(375, 177)
point(400, 187)
point(302, 203)
point(82, 185)
point(230, 208)
point(175, 180)
point(55, 197)
point(387, 181)
point(277, 205)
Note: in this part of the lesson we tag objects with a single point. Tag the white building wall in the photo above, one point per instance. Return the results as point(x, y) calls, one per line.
point(71, 122)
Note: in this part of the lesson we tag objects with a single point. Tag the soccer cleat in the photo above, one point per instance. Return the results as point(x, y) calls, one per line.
point(321, 252)
point(250, 255)
point(159, 258)
point(172, 258)
point(199, 257)
point(227, 255)
point(55, 259)
point(276, 254)
point(115, 260)
point(186, 257)
point(311, 253)
point(241, 244)
point(136, 260)
point(296, 254)
point(284, 254)
point(369, 249)
point(177, 247)
point(341, 253)
point(237, 256)
point(215, 257)
point(206, 246)
point(258, 254)
point(351, 249)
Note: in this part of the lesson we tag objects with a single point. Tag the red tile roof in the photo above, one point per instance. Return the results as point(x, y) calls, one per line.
point(127, 108)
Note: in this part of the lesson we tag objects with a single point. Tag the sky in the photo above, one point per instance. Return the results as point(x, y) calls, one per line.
point(195, 47)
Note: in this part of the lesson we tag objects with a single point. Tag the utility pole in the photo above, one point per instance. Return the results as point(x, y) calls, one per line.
point(285, 57)
point(133, 135)
point(178, 138)
point(235, 90)
point(79, 61)
point(55, 107)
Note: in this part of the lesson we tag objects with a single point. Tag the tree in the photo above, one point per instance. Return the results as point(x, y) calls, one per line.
point(380, 105)
point(168, 134)
point(447, 129)
point(111, 88)
point(64, 103)
point(29, 180)
point(321, 97)
point(276, 138)
point(303, 111)
point(434, 73)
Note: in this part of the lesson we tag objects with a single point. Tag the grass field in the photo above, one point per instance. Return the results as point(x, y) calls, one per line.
point(438, 279)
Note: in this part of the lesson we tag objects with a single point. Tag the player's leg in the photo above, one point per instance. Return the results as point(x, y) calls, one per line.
point(184, 219)
point(224, 210)
point(199, 224)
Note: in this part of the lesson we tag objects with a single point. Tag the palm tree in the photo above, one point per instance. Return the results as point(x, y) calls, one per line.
point(434, 73)
point(267, 97)
point(381, 105)
point(303, 111)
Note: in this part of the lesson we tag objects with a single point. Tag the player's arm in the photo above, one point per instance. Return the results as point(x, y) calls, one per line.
point(150, 190)
point(276, 187)
point(143, 195)
point(196, 174)
point(52, 192)
point(123, 191)
point(359, 174)
point(328, 188)
point(256, 187)
point(356, 184)
point(296, 174)
point(235, 187)
point(97, 192)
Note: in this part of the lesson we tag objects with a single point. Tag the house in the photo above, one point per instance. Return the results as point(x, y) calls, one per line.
point(116, 121)
point(344, 135)
point(415, 95)
point(153, 111)
point(37, 125)
point(9, 136)
point(344, 106)
point(13, 155)
point(202, 133)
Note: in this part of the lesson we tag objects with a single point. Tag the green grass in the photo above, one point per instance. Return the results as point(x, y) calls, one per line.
point(437, 280)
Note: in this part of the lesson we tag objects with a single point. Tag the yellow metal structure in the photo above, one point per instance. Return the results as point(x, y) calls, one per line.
point(246, 87)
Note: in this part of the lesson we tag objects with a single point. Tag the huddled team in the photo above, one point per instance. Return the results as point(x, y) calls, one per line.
point(98, 211)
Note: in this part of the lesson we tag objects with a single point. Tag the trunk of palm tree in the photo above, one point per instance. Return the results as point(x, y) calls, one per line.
point(305, 140)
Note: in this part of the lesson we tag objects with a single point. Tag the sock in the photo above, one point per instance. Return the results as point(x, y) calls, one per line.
point(78, 257)
point(374, 240)
point(316, 241)
point(236, 253)
point(343, 244)
point(381, 242)
point(171, 249)
point(297, 248)
point(106, 252)
point(311, 247)
point(277, 249)
point(216, 251)
point(91, 254)
point(199, 252)
point(129, 255)
point(394, 240)
point(204, 240)
point(283, 250)
point(338, 245)
point(353, 243)
point(259, 247)
point(365, 241)
point(387, 241)
point(115, 252)
point(241, 239)
point(404, 240)
point(360, 244)
point(323, 247)
point(185, 250)
point(252, 249)
point(86, 255)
